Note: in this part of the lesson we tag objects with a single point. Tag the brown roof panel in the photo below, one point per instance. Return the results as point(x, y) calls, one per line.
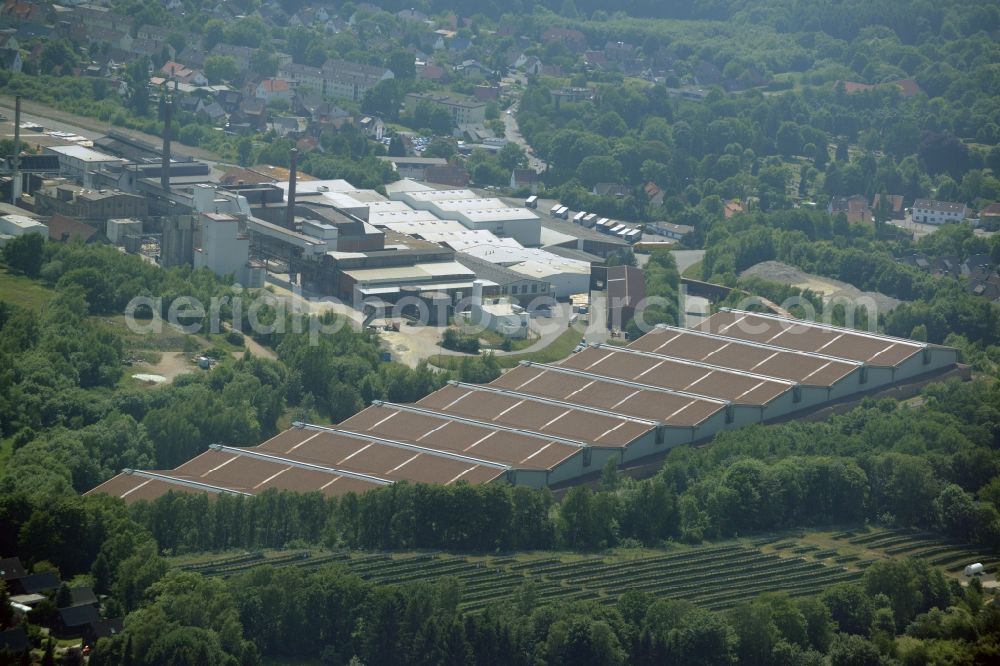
point(678, 375)
point(600, 393)
point(733, 353)
point(872, 349)
point(444, 434)
point(383, 460)
point(526, 411)
point(133, 488)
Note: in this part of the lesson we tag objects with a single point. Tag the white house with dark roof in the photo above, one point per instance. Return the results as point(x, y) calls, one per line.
point(928, 211)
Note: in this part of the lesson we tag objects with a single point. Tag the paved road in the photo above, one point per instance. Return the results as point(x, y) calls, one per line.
point(687, 258)
point(513, 133)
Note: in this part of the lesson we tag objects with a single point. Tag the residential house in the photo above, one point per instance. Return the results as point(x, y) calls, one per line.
point(434, 73)
point(573, 39)
point(896, 209)
point(525, 178)
point(610, 190)
point(854, 207)
point(184, 74)
point(372, 126)
point(732, 208)
point(8, 39)
point(352, 80)
point(532, 66)
point(474, 68)
point(229, 100)
point(93, 16)
point(241, 54)
point(304, 78)
point(215, 113)
point(192, 57)
point(929, 211)
point(463, 111)
point(272, 90)
point(654, 195)
point(595, 59)
point(250, 117)
point(486, 92)
point(459, 44)
point(150, 48)
point(152, 33)
point(571, 95)
point(189, 104)
point(284, 126)
point(989, 217)
point(22, 11)
point(10, 59)
point(447, 174)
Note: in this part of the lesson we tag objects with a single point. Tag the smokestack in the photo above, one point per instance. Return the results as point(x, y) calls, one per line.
point(290, 211)
point(168, 112)
point(15, 183)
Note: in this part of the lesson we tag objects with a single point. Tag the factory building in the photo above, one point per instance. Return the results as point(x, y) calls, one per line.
point(546, 424)
point(14, 225)
point(472, 211)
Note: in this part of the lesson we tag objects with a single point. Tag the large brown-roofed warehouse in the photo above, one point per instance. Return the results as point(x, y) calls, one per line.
point(544, 424)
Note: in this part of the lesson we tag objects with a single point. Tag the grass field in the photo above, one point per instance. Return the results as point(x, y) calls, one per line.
point(693, 272)
point(714, 576)
point(23, 291)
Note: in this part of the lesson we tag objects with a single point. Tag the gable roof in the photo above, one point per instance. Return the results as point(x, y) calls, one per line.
point(62, 229)
point(14, 640)
point(42, 582)
point(11, 568)
point(79, 616)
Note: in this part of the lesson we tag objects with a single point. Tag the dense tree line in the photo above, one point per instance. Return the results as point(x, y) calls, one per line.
point(901, 609)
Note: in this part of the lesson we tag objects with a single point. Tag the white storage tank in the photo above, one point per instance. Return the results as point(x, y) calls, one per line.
point(974, 569)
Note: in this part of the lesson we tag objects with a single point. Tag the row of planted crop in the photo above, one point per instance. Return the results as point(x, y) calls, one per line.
point(745, 584)
point(393, 567)
point(680, 562)
point(729, 599)
point(801, 568)
point(221, 562)
point(658, 562)
point(688, 574)
point(717, 564)
point(280, 560)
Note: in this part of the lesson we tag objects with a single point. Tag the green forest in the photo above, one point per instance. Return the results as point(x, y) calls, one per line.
point(777, 129)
